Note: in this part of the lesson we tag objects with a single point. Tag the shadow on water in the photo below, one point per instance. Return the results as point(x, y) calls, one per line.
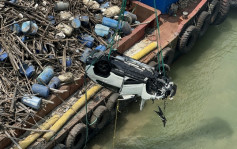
point(211, 130)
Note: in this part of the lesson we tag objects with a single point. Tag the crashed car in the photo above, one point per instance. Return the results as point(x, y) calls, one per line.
point(127, 76)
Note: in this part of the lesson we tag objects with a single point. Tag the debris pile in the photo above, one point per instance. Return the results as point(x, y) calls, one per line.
point(42, 43)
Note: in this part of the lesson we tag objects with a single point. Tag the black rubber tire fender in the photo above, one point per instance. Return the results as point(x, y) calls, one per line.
point(76, 137)
point(188, 39)
point(224, 9)
point(60, 146)
point(203, 22)
point(100, 117)
point(214, 10)
point(168, 55)
point(112, 103)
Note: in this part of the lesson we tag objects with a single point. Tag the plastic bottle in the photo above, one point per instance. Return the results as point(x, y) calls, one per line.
point(32, 101)
point(40, 90)
point(133, 16)
point(46, 75)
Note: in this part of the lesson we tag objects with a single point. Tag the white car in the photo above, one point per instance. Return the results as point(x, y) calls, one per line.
point(127, 76)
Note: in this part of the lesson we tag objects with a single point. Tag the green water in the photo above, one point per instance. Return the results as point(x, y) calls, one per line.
point(203, 113)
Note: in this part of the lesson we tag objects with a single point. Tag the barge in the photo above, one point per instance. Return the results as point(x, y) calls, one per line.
point(178, 33)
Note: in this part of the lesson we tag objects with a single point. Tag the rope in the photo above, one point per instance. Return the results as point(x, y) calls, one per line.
point(121, 15)
point(159, 43)
point(115, 123)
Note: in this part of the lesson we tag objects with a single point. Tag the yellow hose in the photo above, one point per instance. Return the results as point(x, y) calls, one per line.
point(66, 116)
point(31, 138)
point(91, 92)
point(145, 51)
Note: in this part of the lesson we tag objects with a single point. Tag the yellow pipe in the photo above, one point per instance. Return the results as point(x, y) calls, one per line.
point(91, 92)
point(66, 116)
point(31, 138)
point(145, 51)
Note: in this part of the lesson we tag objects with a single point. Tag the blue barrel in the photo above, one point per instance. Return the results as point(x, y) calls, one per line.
point(3, 56)
point(100, 48)
point(46, 75)
point(28, 69)
point(16, 28)
point(51, 19)
point(34, 28)
point(84, 20)
point(101, 30)
point(32, 101)
point(68, 61)
point(40, 90)
point(76, 23)
point(25, 27)
point(54, 83)
point(29, 27)
point(110, 23)
point(87, 39)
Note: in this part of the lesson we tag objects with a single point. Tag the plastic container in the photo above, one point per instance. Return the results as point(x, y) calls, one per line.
point(76, 23)
point(46, 75)
point(60, 6)
point(40, 90)
point(84, 20)
point(100, 48)
point(54, 83)
point(102, 30)
point(87, 39)
point(162, 5)
point(32, 101)
point(111, 23)
point(28, 69)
